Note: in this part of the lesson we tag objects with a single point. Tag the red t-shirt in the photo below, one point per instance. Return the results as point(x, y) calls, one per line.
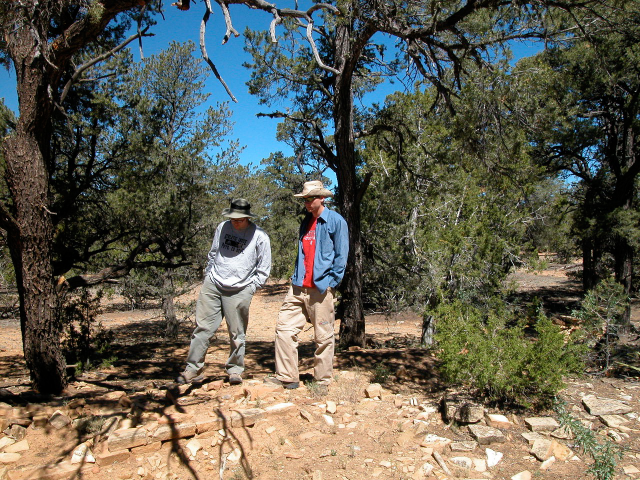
point(309, 251)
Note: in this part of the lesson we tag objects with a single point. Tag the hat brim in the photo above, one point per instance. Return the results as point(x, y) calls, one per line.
point(228, 213)
point(317, 192)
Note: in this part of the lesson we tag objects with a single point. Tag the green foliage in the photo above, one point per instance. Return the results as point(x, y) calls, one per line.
point(579, 102)
point(85, 343)
point(463, 199)
point(381, 373)
point(605, 453)
point(487, 348)
point(602, 311)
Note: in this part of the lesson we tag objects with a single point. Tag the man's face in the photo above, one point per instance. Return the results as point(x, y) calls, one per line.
point(314, 205)
point(240, 223)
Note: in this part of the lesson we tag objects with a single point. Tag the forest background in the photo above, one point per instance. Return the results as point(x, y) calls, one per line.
point(115, 170)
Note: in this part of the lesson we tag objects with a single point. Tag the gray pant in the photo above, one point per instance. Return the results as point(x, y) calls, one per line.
point(212, 305)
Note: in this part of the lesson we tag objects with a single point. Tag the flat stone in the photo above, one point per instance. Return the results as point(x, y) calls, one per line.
point(172, 432)
point(531, 437)
point(247, 418)
point(9, 457)
point(462, 462)
point(373, 390)
point(5, 442)
point(206, 424)
point(22, 421)
point(542, 449)
point(18, 432)
point(463, 446)
point(193, 446)
point(547, 463)
point(82, 454)
point(604, 406)
point(127, 438)
point(560, 451)
point(213, 386)
point(40, 421)
point(109, 458)
point(541, 424)
point(496, 420)
point(435, 442)
point(563, 433)
point(254, 392)
point(462, 410)
point(614, 421)
point(59, 420)
point(21, 446)
point(486, 435)
point(471, 413)
point(113, 396)
point(328, 419)
point(146, 449)
point(493, 457)
point(480, 465)
point(280, 408)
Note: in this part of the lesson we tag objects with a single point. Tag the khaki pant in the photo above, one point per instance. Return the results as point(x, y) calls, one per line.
point(212, 305)
point(302, 305)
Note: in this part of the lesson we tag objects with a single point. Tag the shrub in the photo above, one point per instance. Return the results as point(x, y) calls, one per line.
point(601, 312)
point(605, 453)
point(487, 348)
point(85, 342)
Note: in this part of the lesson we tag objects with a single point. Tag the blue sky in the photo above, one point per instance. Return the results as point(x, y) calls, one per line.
point(256, 134)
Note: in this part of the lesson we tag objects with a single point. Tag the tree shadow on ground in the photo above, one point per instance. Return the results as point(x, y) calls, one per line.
point(560, 299)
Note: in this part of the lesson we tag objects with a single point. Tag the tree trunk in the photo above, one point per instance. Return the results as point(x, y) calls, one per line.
point(428, 330)
point(29, 224)
point(352, 325)
point(168, 308)
point(30, 242)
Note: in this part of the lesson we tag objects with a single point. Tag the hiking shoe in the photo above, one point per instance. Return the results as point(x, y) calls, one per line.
point(235, 379)
point(287, 385)
point(188, 376)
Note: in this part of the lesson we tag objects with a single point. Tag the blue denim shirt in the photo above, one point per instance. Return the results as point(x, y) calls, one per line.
point(332, 249)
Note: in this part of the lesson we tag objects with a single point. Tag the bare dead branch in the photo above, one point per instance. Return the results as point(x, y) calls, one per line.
point(278, 15)
point(99, 58)
point(316, 54)
point(205, 55)
point(227, 20)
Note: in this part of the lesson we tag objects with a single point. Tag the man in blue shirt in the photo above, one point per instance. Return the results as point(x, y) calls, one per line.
point(323, 248)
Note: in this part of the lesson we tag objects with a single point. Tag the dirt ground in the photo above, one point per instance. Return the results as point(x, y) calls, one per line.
point(364, 438)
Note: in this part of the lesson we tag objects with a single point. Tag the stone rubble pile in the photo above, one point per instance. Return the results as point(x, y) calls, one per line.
point(202, 427)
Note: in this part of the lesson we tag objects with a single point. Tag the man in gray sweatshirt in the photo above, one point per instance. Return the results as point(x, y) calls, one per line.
point(238, 264)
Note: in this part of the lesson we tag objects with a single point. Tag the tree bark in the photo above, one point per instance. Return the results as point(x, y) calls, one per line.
point(352, 324)
point(29, 223)
point(168, 308)
point(30, 240)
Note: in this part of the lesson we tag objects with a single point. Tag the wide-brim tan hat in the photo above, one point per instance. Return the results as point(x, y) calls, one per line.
point(313, 188)
point(239, 208)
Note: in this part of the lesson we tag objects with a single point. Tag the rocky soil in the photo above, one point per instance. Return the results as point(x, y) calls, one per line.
point(387, 415)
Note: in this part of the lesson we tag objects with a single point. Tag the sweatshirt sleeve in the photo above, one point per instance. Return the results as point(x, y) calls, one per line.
point(263, 266)
point(214, 250)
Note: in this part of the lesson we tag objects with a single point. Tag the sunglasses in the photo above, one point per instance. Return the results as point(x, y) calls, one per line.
point(310, 199)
